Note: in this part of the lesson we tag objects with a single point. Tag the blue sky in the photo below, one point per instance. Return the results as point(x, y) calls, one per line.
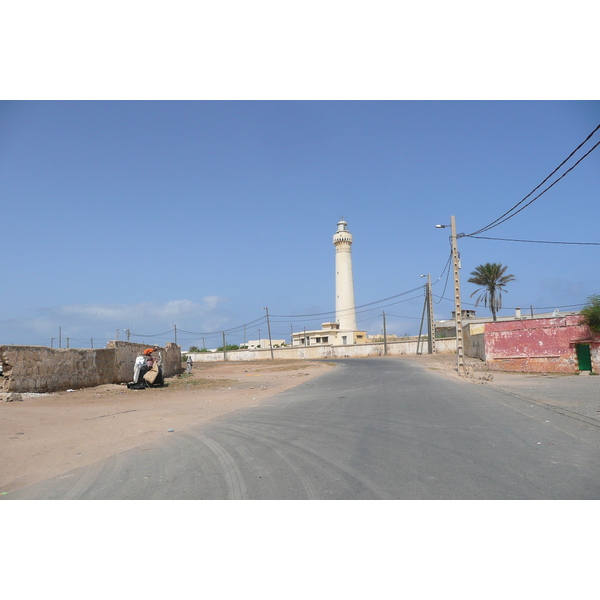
point(144, 215)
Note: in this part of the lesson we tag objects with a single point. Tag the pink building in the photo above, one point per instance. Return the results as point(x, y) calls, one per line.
point(553, 345)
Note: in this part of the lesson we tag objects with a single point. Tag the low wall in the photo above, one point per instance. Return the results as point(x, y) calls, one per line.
point(42, 369)
point(443, 346)
point(474, 340)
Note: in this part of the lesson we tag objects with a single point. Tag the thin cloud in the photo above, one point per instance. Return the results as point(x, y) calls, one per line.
point(102, 321)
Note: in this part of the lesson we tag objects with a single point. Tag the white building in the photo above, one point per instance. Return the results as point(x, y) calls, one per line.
point(262, 343)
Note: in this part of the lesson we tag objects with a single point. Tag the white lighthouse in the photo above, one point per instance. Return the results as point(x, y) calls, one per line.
point(345, 311)
point(343, 331)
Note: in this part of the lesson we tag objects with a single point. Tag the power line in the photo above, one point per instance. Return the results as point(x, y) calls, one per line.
point(353, 308)
point(506, 216)
point(147, 335)
point(446, 267)
point(480, 237)
point(515, 307)
point(258, 321)
point(447, 277)
point(553, 307)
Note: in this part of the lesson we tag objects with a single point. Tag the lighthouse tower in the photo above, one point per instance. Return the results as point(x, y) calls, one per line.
point(342, 332)
point(345, 312)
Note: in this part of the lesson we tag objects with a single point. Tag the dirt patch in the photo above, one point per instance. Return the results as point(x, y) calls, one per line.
point(48, 434)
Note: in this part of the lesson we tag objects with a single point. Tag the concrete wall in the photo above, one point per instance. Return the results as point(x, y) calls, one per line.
point(539, 345)
point(447, 345)
point(42, 369)
point(474, 340)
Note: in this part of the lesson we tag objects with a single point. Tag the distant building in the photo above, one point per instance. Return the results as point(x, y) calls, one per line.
point(390, 337)
point(465, 313)
point(329, 334)
point(253, 344)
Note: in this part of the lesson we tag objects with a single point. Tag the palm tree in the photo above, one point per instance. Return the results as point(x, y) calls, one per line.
point(491, 281)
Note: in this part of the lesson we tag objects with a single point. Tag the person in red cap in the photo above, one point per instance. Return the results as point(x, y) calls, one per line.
point(144, 364)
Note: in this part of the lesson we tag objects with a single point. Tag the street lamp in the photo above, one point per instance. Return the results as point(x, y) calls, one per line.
point(457, 304)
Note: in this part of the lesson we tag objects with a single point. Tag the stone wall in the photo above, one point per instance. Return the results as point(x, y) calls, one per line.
point(125, 353)
point(42, 369)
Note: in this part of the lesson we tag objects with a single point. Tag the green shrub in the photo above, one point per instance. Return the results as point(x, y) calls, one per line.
point(590, 313)
point(228, 347)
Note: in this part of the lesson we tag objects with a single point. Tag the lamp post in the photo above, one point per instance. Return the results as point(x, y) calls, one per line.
point(460, 358)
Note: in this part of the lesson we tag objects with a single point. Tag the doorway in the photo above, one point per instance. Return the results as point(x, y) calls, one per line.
point(584, 357)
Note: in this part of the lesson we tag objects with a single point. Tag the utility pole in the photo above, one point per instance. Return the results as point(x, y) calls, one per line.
point(431, 329)
point(269, 328)
point(51, 342)
point(175, 328)
point(384, 336)
point(60, 337)
point(421, 326)
point(224, 348)
point(92, 343)
point(460, 357)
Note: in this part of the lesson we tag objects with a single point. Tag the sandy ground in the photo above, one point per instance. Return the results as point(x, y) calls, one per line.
point(47, 435)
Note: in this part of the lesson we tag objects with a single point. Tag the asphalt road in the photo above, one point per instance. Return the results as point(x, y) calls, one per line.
point(369, 429)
